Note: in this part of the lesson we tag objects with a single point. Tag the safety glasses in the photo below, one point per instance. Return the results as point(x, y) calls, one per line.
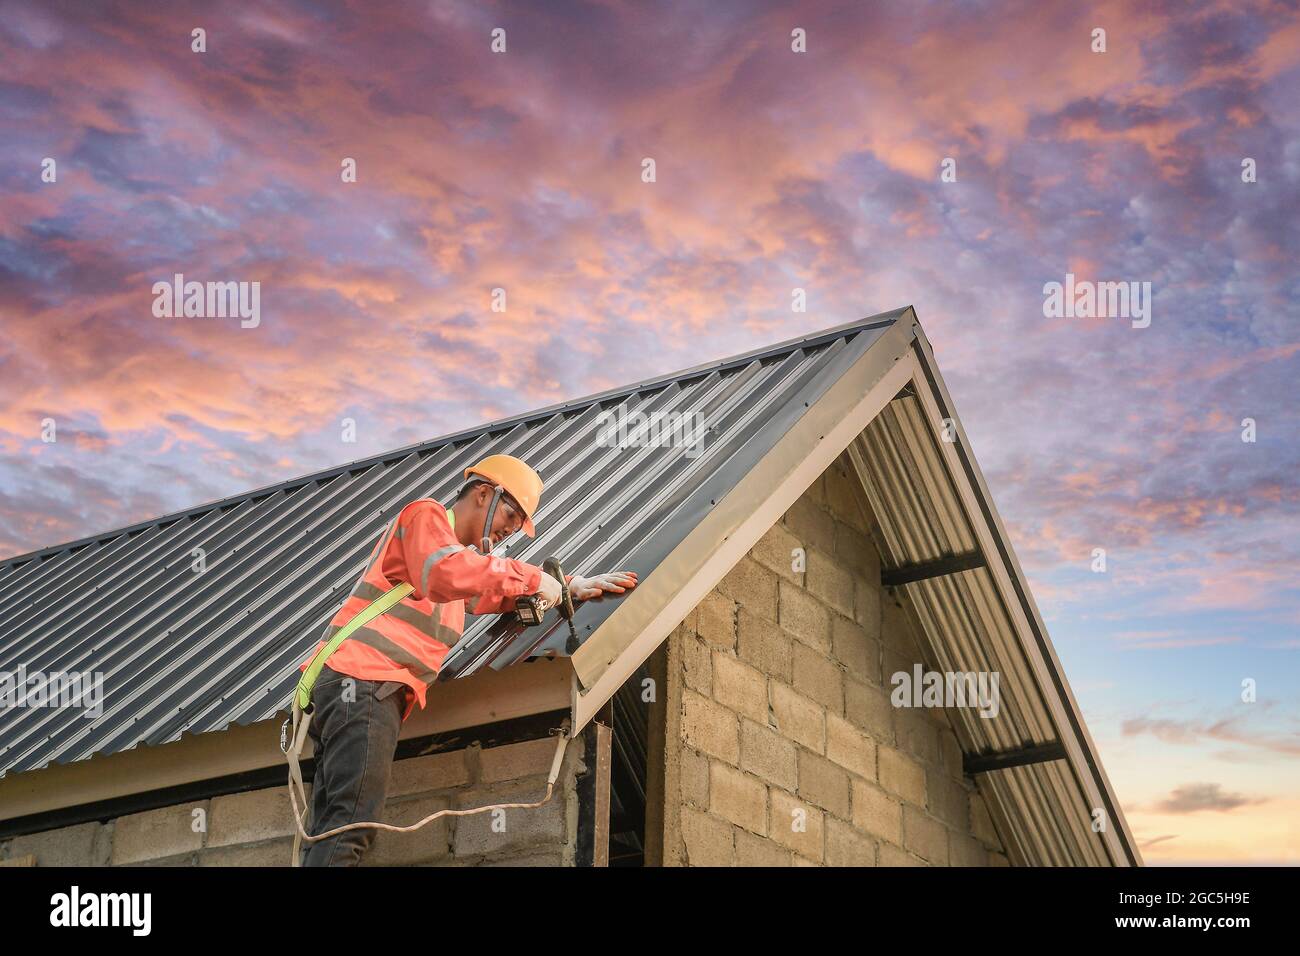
point(514, 513)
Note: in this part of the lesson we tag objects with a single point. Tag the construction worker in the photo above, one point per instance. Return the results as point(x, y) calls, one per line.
point(371, 683)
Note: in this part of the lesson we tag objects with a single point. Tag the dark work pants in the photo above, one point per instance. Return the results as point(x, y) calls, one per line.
point(354, 745)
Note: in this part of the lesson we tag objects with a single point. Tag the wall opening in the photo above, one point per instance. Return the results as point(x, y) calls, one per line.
point(630, 750)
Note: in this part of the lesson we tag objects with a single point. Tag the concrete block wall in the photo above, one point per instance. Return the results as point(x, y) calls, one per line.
point(783, 748)
point(256, 828)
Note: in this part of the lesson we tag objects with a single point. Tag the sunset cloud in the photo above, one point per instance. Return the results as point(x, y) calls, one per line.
point(774, 171)
point(1196, 797)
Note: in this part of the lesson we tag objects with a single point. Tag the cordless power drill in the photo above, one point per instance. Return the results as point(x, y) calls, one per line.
point(530, 610)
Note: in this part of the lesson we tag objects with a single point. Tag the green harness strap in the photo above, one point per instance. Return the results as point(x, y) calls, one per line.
point(380, 605)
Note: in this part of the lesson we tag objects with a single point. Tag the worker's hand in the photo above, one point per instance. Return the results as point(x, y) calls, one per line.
point(551, 590)
point(611, 582)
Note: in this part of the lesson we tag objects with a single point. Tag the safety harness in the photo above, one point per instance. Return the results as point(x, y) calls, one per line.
point(293, 732)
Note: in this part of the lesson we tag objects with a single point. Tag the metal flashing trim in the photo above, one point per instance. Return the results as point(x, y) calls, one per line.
point(732, 524)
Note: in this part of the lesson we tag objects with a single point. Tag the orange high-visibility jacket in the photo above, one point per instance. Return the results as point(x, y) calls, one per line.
point(410, 641)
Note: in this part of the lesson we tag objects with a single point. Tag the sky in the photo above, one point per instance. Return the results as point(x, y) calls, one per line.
point(957, 157)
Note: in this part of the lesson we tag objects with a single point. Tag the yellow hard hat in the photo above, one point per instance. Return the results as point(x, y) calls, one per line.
point(517, 480)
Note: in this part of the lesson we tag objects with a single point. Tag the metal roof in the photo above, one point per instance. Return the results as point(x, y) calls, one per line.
point(188, 653)
point(185, 652)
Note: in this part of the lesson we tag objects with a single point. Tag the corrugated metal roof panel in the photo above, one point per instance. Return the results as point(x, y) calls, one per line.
point(189, 651)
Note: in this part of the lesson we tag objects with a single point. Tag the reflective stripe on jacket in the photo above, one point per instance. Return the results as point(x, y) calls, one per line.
point(409, 643)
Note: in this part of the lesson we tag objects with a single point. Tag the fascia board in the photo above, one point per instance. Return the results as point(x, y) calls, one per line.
point(490, 697)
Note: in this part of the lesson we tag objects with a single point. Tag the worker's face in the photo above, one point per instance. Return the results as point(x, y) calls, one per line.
point(505, 522)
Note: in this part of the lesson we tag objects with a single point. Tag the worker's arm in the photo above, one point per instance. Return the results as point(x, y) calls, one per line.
point(580, 588)
point(440, 568)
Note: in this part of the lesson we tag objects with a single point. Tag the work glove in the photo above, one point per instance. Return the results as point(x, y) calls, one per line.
point(550, 590)
point(611, 582)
